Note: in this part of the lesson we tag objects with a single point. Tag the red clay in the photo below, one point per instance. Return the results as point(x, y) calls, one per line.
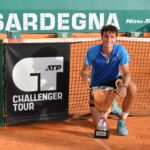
point(75, 135)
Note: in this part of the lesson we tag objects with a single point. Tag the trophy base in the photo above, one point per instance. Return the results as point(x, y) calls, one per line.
point(102, 134)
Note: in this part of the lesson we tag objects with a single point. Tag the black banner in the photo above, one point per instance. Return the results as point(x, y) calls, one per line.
point(36, 80)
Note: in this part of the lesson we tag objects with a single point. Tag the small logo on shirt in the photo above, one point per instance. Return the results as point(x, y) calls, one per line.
point(114, 59)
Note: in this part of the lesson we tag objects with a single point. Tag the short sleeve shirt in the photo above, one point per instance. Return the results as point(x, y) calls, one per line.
point(105, 71)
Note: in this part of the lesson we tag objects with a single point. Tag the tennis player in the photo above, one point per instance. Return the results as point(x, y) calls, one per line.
point(105, 60)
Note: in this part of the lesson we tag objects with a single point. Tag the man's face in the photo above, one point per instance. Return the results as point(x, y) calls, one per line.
point(108, 39)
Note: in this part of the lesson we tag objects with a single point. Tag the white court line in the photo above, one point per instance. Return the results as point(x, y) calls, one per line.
point(105, 146)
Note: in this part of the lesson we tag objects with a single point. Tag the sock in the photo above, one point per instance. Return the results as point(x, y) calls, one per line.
point(124, 115)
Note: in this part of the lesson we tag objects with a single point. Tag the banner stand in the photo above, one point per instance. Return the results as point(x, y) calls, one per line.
point(2, 123)
point(13, 34)
point(34, 79)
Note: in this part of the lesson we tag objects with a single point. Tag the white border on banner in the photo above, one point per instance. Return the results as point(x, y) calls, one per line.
point(70, 40)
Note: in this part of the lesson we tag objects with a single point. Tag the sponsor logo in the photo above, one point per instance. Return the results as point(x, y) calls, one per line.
point(57, 21)
point(137, 21)
point(37, 74)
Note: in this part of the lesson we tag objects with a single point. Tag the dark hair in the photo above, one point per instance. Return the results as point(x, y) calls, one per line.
point(109, 28)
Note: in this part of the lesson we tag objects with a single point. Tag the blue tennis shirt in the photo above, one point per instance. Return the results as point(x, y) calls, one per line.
point(103, 71)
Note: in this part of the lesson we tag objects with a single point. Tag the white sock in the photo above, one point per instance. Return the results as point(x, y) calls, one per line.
point(124, 115)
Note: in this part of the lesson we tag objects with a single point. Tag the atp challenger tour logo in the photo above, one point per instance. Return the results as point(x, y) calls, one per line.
point(36, 75)
point(39, 75)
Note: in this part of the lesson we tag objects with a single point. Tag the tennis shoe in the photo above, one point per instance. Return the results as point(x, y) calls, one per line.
point(121, 128)
point(116, 110)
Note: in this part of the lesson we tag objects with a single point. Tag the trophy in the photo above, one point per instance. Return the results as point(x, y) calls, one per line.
point(102, 130)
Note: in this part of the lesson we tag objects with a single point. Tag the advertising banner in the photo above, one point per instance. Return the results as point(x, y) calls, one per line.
point(36, 81)
point(40, 21)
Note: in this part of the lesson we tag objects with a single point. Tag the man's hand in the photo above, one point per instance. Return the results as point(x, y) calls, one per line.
point(121, 90)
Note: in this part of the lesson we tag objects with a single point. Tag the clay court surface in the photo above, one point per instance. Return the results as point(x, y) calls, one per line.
point(75, 135)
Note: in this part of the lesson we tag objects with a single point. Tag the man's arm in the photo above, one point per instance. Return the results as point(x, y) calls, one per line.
point(126, 77)
point(85, 72)
point(126, 74)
